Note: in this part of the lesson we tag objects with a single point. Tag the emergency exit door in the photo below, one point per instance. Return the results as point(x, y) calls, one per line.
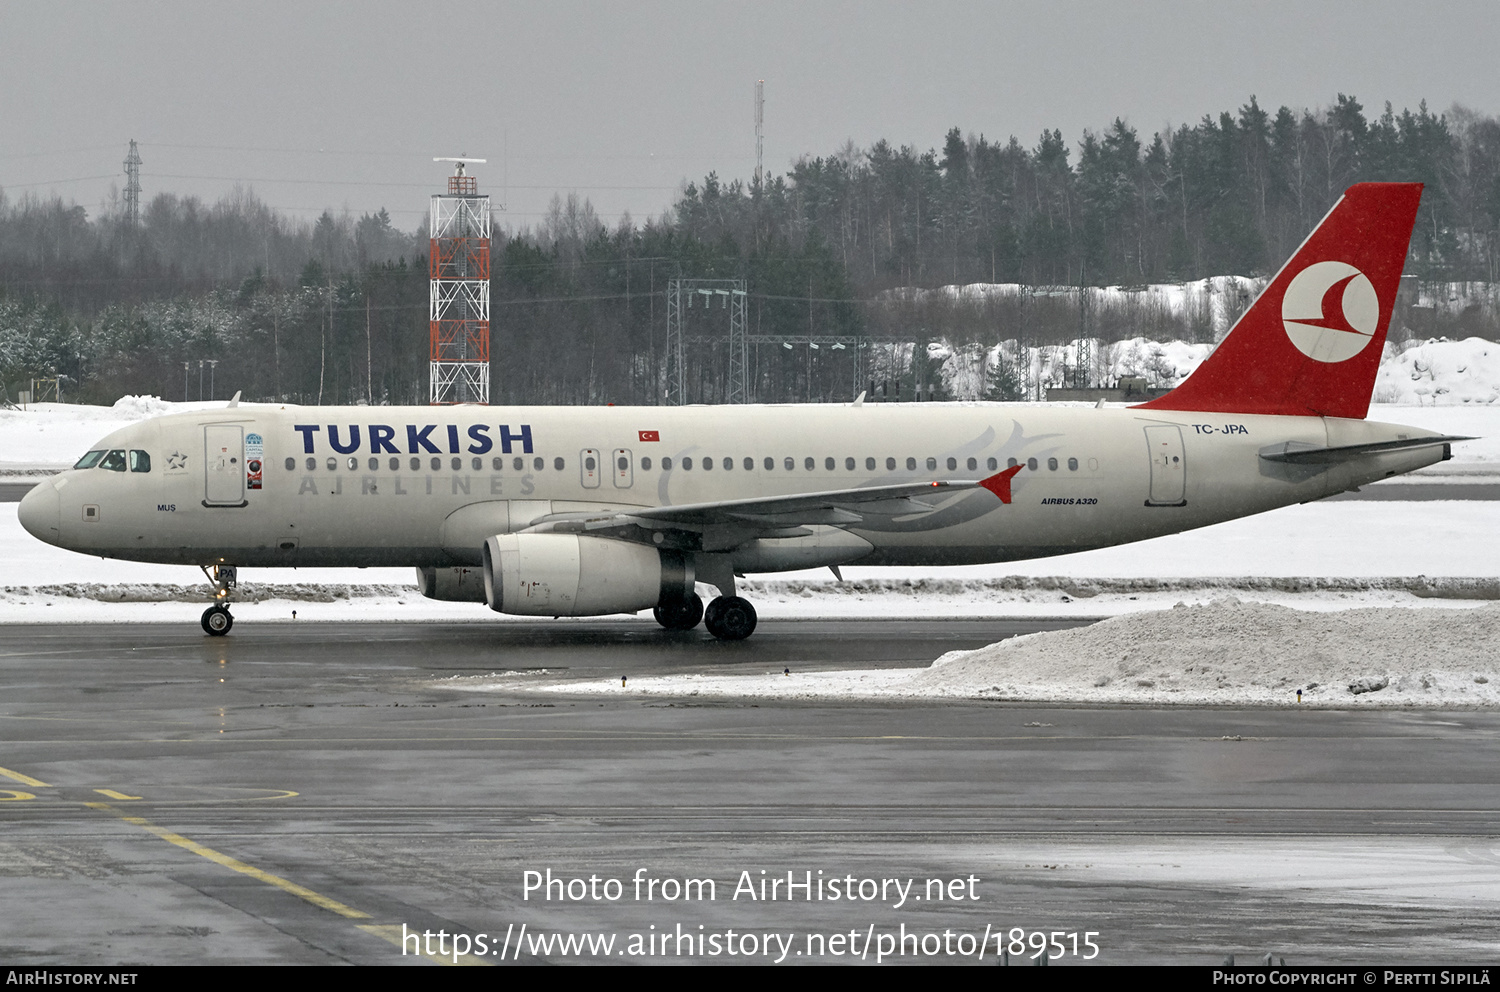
point(624, 468)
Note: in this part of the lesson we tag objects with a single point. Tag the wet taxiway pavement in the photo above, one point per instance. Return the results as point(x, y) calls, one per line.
point(300, 792)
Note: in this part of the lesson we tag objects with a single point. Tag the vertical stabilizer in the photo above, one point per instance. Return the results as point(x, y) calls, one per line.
point(1310, 345)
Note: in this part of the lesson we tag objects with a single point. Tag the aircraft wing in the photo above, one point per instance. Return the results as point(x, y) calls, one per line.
point(777, 514)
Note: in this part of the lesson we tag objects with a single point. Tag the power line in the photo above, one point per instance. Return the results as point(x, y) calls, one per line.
point(647, 157)
point(349, 182)
point(58, 182)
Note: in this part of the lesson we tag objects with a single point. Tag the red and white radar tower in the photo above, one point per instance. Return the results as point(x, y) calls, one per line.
point(459, 271)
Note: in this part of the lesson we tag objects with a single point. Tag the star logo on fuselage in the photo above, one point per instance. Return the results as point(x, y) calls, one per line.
point(177, 460)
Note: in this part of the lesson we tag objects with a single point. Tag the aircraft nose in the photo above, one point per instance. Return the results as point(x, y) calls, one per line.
point(39, 511)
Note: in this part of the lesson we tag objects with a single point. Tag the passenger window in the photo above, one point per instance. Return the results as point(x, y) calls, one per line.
point(728, 462)
point(291, 464)
point(478, 464)
point(708, 464)
point(828, 464)
point(588, 463)
point(646, 463)
point(749, 464)
point(931, 463)
point(416, 464)
point(911, 464)
point(770, 463)
point(114, 461)
point(1052, 464)
point(849, 464)
point(457, 463)
point(1072, 464)
point(353, 464)
point(666, 464)
point(622, 463)
point(374, 464)
point(687, 464)
point(1031, 464)
point(519, 464)
point(890, 464)
point(1010, 463)
point(395, 464)
point(538, 464)
point(333, 464)
point(973, 464)
point(498, 463)
point(869, 464)
point(809, 464)
point(993, 464)
point(558, 464)
point(789, 462)
point(90, 460)
point(437, 463)
point(953, 464)
point(312, 463)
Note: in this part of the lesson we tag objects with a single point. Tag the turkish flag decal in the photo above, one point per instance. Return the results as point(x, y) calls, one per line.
point(650, 435)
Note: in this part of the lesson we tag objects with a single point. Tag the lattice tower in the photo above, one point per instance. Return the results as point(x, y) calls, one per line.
point(459, 291)
point(133, 186)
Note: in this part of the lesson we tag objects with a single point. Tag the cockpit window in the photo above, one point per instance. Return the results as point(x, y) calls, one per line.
point(90, 460)
point(114, 461)
point(139, 461)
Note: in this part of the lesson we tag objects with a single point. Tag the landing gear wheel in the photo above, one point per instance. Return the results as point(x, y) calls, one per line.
point(681, 614)
point(730, 618)
point(217, 621)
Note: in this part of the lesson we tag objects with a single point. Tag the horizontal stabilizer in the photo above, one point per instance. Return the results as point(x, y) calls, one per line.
point(1302, 453)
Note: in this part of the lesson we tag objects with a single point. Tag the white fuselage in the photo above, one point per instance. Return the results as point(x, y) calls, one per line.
point(426, 486)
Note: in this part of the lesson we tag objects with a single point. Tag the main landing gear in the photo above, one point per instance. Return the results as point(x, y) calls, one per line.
point(217, 619)
point(681, 614)
point(729, 618)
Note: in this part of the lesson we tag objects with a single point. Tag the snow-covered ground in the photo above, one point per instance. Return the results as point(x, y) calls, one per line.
point(1306, 590)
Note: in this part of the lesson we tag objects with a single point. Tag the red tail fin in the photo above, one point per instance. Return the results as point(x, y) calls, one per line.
point(1310, 345)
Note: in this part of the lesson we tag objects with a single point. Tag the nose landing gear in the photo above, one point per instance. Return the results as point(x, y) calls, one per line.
point(216, 619)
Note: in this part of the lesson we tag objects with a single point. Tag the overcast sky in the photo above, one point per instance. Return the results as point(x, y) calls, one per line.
point(317, 105)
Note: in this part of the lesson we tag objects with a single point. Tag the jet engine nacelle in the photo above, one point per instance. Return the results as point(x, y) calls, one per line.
point(453, 585)
point(571, 575)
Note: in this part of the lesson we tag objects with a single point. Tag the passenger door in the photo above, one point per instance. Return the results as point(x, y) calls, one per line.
point(223, 465)
point(1168, 466)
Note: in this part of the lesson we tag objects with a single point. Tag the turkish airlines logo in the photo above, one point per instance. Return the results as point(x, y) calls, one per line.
point(1330, 311)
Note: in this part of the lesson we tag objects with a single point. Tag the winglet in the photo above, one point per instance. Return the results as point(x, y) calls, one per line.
point(999, 484)
point(235, 400)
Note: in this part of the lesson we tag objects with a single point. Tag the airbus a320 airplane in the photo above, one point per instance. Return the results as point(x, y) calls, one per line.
point(552, 511)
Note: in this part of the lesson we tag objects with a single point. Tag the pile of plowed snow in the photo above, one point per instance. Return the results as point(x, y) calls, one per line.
point(1235, 652)
point(1225, 652)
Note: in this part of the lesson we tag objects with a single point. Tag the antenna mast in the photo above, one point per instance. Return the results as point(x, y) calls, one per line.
point(760, 117)
point(458, 262)
point(133, 186)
